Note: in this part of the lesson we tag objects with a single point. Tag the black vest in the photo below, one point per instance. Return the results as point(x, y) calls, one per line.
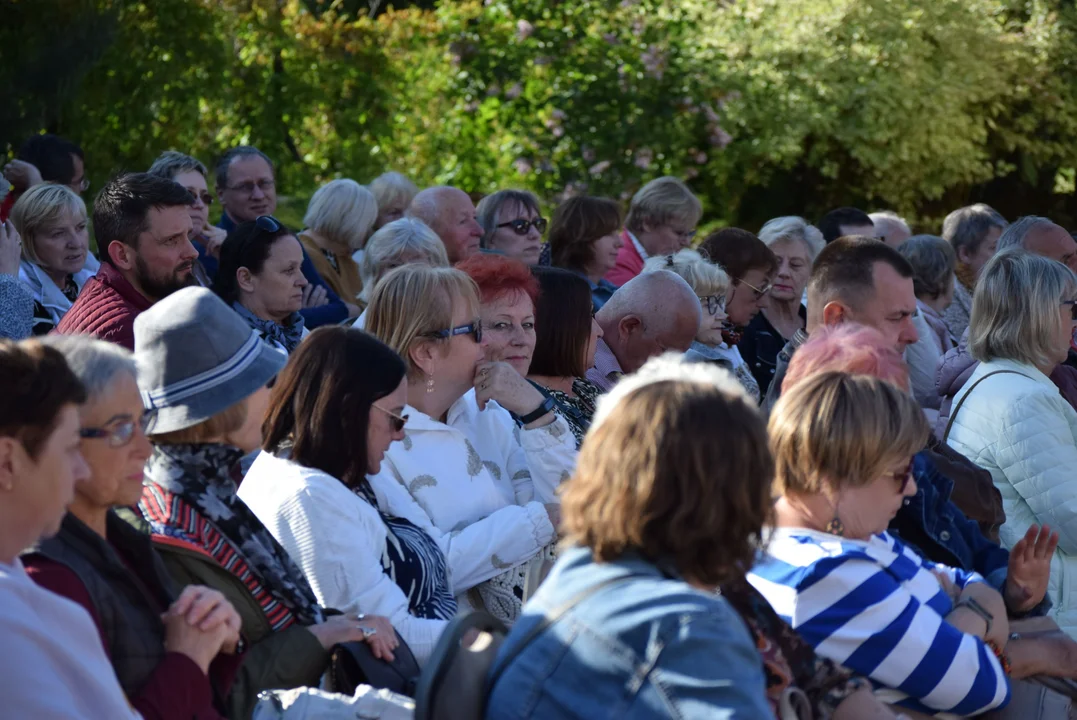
point(127, 597)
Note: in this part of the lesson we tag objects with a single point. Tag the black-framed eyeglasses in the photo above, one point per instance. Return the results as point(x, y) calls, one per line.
point(521, 226)
point(713, 303)
point(903, 477)
point(472, 328)
point(1073, 308)
point(118, 434)
point(247, 188)
point(268, 223)
point(397, 421)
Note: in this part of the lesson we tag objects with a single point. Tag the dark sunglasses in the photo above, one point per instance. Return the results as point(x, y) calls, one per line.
point(903, 477)
point(397, 421)
point(521, 226)
point(268, 223)
point(473, 328)
point(1073, 308)
point(205, 197)
point(118, 434)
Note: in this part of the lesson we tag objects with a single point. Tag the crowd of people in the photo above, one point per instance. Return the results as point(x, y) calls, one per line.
point(818, 471)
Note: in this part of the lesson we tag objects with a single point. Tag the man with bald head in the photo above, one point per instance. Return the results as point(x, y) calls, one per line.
point(1040, 236)
point(450, 213)
point(648, 315)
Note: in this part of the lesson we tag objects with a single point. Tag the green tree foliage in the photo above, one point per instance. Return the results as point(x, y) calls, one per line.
point(766, 106)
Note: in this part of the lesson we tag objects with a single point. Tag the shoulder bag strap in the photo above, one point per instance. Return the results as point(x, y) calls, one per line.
point(953, 413)
point(549, 619)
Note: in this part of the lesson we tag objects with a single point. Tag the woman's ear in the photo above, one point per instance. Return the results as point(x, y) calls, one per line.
point(245, 279)
point(963, 255)
point(424, 355)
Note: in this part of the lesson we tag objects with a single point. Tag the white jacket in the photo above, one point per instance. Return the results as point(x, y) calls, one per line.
point(1020, 429)
point(46, 292)
point(472, 482)
point(337, 539)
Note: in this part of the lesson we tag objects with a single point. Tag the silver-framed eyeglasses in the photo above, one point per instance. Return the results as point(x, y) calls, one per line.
point(118, 432)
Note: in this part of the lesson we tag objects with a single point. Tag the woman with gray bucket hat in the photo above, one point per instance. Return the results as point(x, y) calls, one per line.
point(203, 375)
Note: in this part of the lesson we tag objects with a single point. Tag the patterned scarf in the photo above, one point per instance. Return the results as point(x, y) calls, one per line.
point(190, 494)
point(287, 335)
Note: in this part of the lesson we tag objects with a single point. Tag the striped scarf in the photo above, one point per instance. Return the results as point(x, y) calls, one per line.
point(189, 497)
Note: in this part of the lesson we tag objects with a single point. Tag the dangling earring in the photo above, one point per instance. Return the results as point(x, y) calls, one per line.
point(836, 527)
point(429, 383)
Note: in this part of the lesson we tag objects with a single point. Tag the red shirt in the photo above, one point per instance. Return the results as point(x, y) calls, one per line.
point(629, 262)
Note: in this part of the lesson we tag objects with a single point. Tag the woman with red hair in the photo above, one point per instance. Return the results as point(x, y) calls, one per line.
point(508, 293)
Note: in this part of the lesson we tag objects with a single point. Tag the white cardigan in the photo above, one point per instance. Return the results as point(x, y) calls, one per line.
point(338, 541)
point(53, 664)
point(473, 469)
point(1024, 433)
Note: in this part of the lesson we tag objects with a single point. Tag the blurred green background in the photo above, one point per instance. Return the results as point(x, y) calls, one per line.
point(767, 107)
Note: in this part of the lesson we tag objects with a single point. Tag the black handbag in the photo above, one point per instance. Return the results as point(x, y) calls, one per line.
point(352, 664)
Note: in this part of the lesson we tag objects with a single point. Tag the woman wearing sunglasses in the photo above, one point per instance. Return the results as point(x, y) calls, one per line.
point(261, 277)
point(166, 665)
point(483, 451)
point(931, 637)
point(512, 225)
point(1010, 419)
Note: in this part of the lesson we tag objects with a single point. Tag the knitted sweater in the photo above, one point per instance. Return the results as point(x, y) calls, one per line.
point(16, 308)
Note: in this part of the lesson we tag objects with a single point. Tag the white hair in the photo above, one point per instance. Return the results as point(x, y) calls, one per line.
point(392, 188)
point(886, 222)
point(791, 227)
point(96, 363)
point(671, 366)
point(342, 211)
point(395, 242)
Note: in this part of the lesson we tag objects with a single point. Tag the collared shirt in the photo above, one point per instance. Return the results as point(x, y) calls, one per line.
point(607, 371)
point(639, 246)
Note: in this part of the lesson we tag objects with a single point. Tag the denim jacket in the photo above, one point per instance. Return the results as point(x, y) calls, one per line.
point(646, 647)
point(938, 530)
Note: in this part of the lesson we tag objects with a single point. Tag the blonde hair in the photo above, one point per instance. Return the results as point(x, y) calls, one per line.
point(392, 188)
point(834, 431)
point(791, 227)
point(651, 479)
point(415, 300)
point(661, 201)
point(38, 207)
point(392, 243)
point(342, 211)
point(705, 278)
point(1015, 307)
point(219, 426)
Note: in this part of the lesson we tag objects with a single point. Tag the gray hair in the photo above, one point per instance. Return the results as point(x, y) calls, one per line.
point(884, 219)
point(242, 151)
point(170, 163)
point(1015, 308)
point(96, 363)
point(342, 211)
point(662, 201)
point(395, 243)
point(791, 227)
point(391, 188)
point(489, 209)
point(933, 264)
point(668, 367)
point(967, 227)
point(1015, 235)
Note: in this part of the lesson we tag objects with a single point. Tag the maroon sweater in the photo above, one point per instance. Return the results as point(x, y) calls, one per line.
point(106, 308)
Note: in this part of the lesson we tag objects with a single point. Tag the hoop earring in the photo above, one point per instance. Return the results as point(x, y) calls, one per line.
point(429, 384)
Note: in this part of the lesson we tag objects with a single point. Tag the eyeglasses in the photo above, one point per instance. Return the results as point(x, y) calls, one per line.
point(472, 328)
point(118, 434)
point(397, 421)
point(1073, 308)
point(521, 226)
point(713, 303)
point(204, 196)
point(685, 235)
point(247, 188)
point(903, 477)
point(268, 223)
point(758, 292)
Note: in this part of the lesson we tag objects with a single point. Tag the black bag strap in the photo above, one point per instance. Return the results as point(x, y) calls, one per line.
point(548, 620)
point(953, 413)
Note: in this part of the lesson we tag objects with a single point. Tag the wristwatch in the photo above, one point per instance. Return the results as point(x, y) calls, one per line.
point(546, 407)
point(979, 610)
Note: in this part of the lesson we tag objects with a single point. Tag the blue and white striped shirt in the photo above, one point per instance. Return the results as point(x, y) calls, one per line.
point(875, 607)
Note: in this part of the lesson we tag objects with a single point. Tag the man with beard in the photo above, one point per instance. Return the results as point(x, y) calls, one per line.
point(141, 223)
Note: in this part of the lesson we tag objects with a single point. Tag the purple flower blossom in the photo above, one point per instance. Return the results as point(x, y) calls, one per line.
point(599, 168)
point(523, 30)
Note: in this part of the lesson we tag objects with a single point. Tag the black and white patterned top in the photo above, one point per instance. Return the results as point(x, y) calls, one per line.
point(577, 411)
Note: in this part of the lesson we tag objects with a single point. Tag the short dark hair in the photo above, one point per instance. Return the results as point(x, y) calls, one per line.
point(845, 270)
point(831, 223)
point(120, 209)
point(738, 251)
point(562, 323)
point(247, 246)
point(36, 383)
point(320, 403)
point(241, 151)
point(577, 223)
point(51, 155)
